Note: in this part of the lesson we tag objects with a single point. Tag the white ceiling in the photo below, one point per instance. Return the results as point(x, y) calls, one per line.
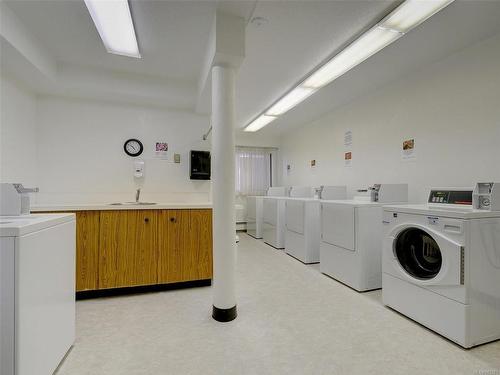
point(461, 24)
point(299, 35)
point(172, 35)
point(173, 38)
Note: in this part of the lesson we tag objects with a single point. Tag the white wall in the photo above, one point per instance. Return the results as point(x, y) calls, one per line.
point(451, 108)
point(81, 157)
point(18, 136)
point(73, 149)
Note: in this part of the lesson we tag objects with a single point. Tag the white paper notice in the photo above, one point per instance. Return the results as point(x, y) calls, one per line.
point(408, 150)
point(348, 138)
point(348, 159)
point(161, 150)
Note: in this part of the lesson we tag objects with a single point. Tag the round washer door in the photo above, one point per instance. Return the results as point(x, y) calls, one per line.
point(418, 253)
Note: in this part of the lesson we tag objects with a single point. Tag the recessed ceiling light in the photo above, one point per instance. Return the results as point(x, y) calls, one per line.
point(259, 123)
point(115, 26)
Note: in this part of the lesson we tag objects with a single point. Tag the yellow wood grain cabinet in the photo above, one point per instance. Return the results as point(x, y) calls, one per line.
point(125, 248)
point(87, 250)
point(128, 248)
point(185, 245)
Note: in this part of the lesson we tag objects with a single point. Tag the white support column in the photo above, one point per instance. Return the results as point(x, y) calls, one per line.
point(223, 193)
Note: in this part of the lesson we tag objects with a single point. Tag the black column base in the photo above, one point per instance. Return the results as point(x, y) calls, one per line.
point(224, 315)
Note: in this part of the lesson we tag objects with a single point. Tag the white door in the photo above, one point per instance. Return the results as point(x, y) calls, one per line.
point(426, 257)
point(337, 225)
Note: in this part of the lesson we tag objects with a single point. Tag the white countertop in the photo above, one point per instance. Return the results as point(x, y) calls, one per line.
point(107, 206)
point(14, 226)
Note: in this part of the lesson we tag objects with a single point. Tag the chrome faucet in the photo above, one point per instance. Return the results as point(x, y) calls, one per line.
point(137, 195)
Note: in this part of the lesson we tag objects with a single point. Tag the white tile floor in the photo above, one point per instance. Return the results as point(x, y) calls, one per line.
point(292, 320)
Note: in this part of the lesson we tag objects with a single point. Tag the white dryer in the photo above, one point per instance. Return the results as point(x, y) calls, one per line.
point(351, 236)
point(255, 211)
point(274, 214)
point(302, 222)
point(441, 265)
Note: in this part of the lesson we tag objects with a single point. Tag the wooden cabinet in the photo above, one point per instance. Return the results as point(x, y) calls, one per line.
point(87, 250)
point(185, 245)
point(128, 248)
point(123, 248)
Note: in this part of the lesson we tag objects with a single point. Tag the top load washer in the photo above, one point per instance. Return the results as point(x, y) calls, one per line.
point(441, 263)
point(274, 214)
point(302, 221)
point(37, 292)
point(255, 212)
point(351, 236)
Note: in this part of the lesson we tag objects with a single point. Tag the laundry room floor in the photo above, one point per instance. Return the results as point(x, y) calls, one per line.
point(292, 320)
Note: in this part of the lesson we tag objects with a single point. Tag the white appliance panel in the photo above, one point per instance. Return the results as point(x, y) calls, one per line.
point(7, 303)
point(271, 211)
point(443, 315)
point(295, 214)
point(44, 257)
point(338, 225)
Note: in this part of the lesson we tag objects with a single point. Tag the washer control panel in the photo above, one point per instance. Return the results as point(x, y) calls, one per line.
point(463, 197)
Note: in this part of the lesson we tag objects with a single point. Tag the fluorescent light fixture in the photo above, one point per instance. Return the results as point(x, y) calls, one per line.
point(362, 48)
point(259, 123)
point(290, 100)
point(412, 13)
point(114, 23)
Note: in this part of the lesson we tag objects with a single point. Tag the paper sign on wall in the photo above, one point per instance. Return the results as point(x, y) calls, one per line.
point(348, 159)
point(408, 149)
point(161, 150)
point(348, 138)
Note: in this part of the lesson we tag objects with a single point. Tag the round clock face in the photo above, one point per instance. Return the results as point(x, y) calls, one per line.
point(133, 147)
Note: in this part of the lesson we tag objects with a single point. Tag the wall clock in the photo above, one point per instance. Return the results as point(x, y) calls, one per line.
point(133, 147)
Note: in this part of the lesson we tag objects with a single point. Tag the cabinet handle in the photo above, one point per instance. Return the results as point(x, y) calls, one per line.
point(173, 219)
point(146, 220)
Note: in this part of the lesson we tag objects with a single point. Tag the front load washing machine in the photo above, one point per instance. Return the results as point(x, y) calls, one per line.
point(302, 222)
point(273, 228)
point(441, 265)
point(351, 236)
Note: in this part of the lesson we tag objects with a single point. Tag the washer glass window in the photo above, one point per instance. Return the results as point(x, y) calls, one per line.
point(418, 253)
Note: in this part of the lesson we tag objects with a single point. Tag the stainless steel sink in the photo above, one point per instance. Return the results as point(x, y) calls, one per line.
point(133, 204)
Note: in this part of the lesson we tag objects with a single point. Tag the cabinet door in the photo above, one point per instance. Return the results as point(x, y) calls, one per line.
point(200, 235)
point(87, 250)
point(128, 248)
point(185, 245)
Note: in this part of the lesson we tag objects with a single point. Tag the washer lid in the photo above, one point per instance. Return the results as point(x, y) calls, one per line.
point(14, 226)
